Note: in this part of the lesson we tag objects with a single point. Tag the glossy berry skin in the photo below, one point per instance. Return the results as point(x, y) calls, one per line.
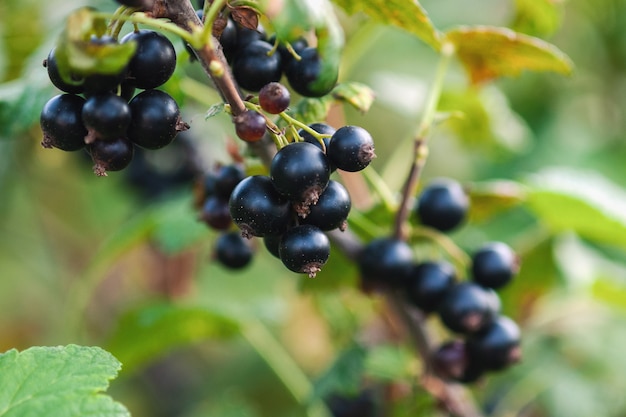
point(300, 172)
point(274, 98)
point(233, 251)
point(494, 265)
point(226, 179)
point(55, 76)
point(304, 249)
point(245, 36)
point(272, 243)
point(304, 75)
point(497, 346)
point(155, 119)
point(385, 260)
point(297, 45)
point(442, 205)
point(451, 361)
point(322, 128)
point(428, 284)
point(106, 116)
point(110, 155)
point(332, 209)
point(228, 39)
point(250, 126)
point(253, 67)
point(216, 213)
point(62, 123)
point(258, 209)
point(351, 148)
point(154, 60)
point(468, 308)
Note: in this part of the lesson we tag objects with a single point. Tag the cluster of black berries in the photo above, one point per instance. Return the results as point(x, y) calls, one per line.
point(293, 206)
point(469, 308)
point(99, 112)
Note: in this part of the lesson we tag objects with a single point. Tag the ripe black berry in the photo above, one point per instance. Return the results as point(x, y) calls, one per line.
point(154, 60)
point(452, 361)
point(106, 116)
point(321, 128)
point(233, 251)
point(256, 66)
point(497, 346)
point(228, 39)
point(428, 284)
point(55, 76)
point(468, 308)
point(216, 213)
point(351, 148)
point(300, 172)
point(286, 56)
point(304, 249)
point(226, 179)
point(363, 404)
point(250, 125)
point(246, 36)
point(62, 123)
point(304, 75)
point(331, 210)
point(155, 119)
point(385, 261)
point(110, 155)
point(272, 243)
point(98, 82)
point(274, 98)
point(494, 265)
point(442, 205)
point(258, 209)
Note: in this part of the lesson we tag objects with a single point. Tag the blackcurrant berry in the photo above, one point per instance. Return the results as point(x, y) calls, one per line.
point(451, 361)
point(55, 76)
point(99, 82)
point(497, 346)
point(154, 60)
point(304, 75)
point(155, 119)
point(468, 308)
point(385, 260)
point(351, 148)
point(304, 249)
point(300, 172)
point(233, 251)
point(226, 179)
point(428, 284)
point(272, 243)
point(286, 56)
point(216, 213)
point(442, 205)
point(245, 36)
point(274, 98)
point(258, 209)
point(62, 123)
point(228, 39)
point(331, 210)
point(363, 404)
point(256, 66)
point(106, 116)
point(110, 155)
point(494, 265)
point(321, 128)
point(250, 125)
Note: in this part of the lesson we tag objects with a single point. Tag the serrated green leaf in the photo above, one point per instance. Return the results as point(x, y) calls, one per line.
point(344, 376)
point(358, 95)
point(407, 15)
point(584, 202)
point(149, 332)
point(537, 17)
point(63, 381)
point(491, 52)
point(214, 110)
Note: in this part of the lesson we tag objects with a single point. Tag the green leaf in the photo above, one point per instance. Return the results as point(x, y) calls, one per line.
point(214, 110)
point(177, 226)
point(580, 201)
point(64, 381)
point(491, 52)
point(407, 15)
point(358, 95)
point(344, 376)
point(491, 197)
point(149, 332)
point(391, 363)
point(537, 17)
point(311, 110)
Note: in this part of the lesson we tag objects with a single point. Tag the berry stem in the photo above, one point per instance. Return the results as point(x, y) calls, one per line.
point(381, 188)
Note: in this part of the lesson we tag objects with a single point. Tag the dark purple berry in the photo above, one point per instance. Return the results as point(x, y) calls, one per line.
point(55, 76)
point(286, 56)
point(96, 83)
point(154, 60)
point(331, 210)
point(228, 39)
point(468, 308)
point(304, 75)
point(385, 260)
point(256, 66)
point(226, 179)
point(62, 123)
point(494, 265)
point(258, 209)
point(155, 119)
point(300, 172)
point(110, 155)
point(428, 284)
point(106, 116)
point(321, 128)
point(233, 251)
point(274, 98)
point(245, 36)
point(304, 249)
point(497, 346)
point(250, 126)
point(451, 361)
point(351, 148)
point(272, 243)
point(442, 205)
point(216, 213)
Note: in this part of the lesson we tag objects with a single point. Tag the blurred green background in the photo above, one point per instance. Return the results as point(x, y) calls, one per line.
point(89, 260)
